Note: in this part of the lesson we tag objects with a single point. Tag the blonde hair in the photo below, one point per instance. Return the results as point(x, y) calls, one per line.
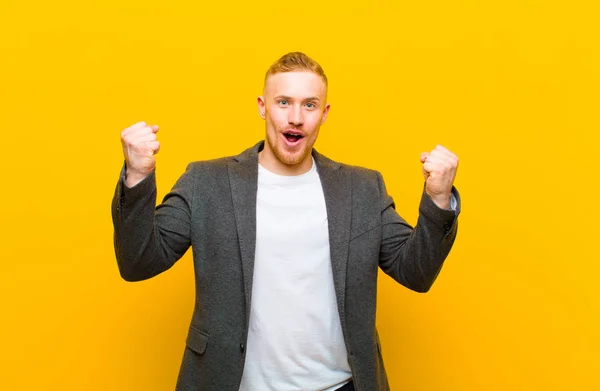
point(296, 61)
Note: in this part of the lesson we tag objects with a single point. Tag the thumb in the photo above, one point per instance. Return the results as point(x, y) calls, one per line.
point(424, 157)
point(154, 128)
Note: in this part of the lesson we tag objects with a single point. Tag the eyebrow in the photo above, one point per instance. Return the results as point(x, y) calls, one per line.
point(311, 98)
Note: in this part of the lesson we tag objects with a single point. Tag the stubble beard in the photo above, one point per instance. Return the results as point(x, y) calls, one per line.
point(279, 150)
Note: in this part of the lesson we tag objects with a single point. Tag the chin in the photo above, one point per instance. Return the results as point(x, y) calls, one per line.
point(291, 159)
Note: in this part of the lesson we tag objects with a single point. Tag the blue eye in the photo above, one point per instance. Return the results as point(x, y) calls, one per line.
point(283, 102)
point(310, 105)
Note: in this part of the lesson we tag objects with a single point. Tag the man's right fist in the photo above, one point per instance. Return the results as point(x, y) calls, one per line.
point(139, 147)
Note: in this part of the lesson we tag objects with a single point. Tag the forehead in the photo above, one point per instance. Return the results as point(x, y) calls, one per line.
point(295, 84)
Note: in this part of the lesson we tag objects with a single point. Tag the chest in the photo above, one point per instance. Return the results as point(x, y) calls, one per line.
point(292, 217)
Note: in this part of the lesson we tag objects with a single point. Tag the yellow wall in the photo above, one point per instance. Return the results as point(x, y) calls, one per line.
point(510, 85)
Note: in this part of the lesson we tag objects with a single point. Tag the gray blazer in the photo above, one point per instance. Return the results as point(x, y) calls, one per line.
point(212, 207)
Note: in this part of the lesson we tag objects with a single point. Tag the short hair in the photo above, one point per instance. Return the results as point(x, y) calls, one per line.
point(296, 61)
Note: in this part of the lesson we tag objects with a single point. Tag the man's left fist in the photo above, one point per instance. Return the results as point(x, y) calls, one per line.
point(439, 170)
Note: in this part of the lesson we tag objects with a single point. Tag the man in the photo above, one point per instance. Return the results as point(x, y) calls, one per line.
point(286, 244)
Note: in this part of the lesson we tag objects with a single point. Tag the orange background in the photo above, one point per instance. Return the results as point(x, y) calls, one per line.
point(510, 86)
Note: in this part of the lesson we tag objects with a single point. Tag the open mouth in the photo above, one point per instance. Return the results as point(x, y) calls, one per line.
point(293, 137)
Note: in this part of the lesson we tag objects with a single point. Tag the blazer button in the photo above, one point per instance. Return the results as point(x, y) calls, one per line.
point(242, 348)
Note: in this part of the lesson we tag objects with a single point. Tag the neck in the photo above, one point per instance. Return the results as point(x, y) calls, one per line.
point(269, 161)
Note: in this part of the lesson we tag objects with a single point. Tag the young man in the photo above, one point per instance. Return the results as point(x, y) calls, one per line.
point(286, 243)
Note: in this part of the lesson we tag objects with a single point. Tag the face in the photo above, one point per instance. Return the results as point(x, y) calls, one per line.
point(294, 107)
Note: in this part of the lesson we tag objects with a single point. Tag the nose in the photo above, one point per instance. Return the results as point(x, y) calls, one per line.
point(295, 116)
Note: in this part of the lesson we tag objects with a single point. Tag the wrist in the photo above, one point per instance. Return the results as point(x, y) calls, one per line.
point(133, 177)
point(441, 200)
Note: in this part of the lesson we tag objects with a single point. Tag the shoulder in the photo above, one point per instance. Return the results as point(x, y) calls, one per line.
point(358, 173)
point(208, 166)
point(361, 172)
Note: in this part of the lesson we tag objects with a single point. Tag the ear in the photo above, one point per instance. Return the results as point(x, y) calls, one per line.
point(325, 112)
point(261, 106)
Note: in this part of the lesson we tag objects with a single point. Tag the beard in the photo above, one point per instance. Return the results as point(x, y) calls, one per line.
point(287, 156)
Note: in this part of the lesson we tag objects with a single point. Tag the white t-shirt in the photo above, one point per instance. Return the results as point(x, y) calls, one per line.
point(295, 340)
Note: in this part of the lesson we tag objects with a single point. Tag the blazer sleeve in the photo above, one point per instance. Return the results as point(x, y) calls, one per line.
point(414, 256)
point(149, 239)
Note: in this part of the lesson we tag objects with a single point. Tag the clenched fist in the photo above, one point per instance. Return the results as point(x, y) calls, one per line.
point(439, 170)
point(139, 147)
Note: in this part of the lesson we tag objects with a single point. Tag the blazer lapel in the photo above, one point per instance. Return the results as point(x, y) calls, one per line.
point(243, 179)
point(336, 184)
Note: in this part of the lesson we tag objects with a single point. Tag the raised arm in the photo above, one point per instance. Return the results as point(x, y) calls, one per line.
point(414, 257)
point(148, 239)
